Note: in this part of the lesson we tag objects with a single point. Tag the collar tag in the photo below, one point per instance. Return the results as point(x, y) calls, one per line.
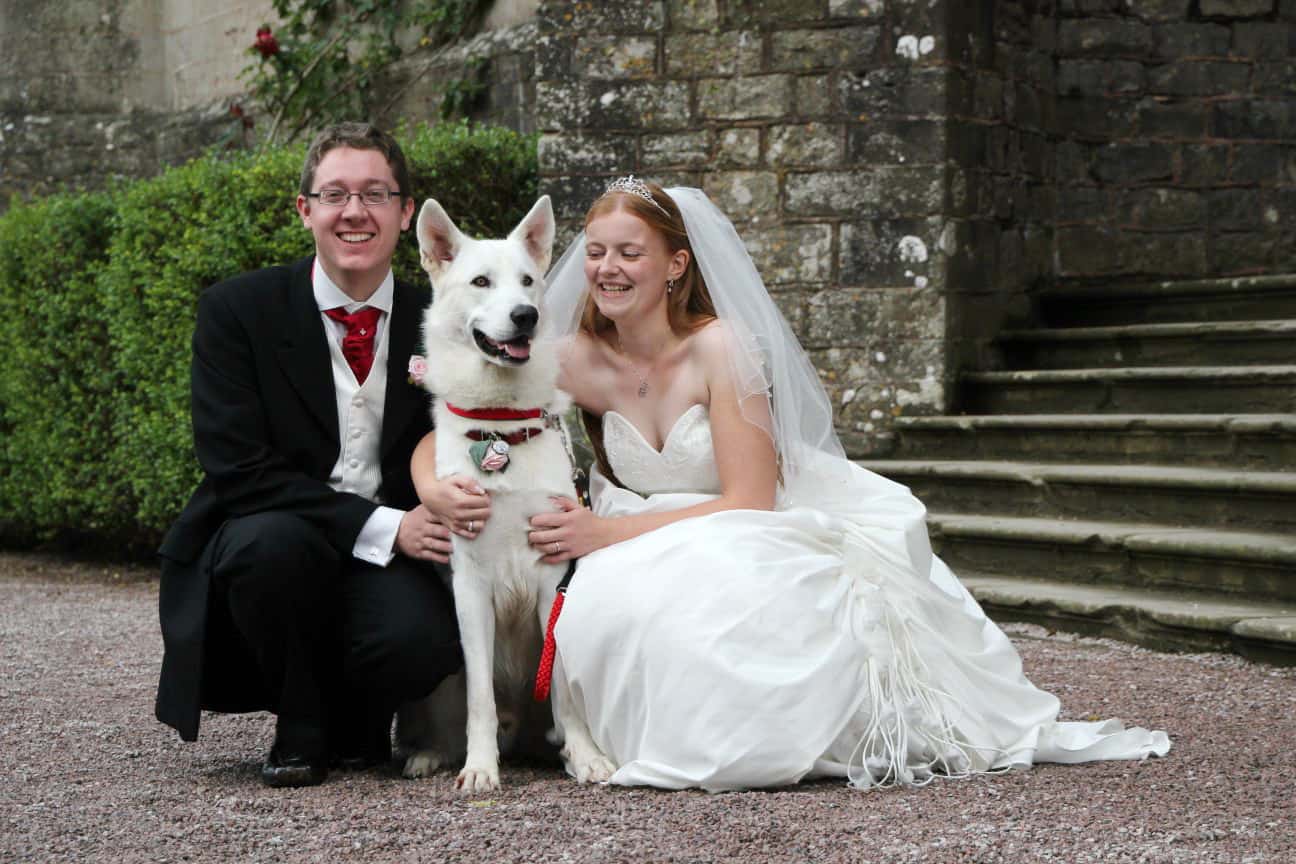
point(490, 454)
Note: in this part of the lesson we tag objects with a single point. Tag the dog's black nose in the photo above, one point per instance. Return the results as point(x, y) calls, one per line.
point(525, 317)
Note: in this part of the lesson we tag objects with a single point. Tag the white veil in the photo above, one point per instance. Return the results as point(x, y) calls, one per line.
point(766, 359)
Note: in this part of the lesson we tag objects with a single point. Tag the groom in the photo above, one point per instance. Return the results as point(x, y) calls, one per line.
point(303, 575)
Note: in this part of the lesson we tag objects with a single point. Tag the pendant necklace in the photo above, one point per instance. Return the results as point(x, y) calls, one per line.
point(643, 381)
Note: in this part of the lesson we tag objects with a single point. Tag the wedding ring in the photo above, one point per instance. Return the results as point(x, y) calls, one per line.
point(556, 548)
point(472, 523)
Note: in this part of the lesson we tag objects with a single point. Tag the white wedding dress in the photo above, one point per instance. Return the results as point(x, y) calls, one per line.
point(752, 648)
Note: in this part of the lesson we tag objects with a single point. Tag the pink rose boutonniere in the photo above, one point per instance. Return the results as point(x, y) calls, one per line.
point(417, 369)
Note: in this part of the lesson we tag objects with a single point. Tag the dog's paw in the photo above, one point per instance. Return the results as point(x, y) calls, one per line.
point(422, 763)
point(597, 770)
point(474, 780)
point(588, 764)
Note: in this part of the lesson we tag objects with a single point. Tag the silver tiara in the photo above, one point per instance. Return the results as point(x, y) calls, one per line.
point(632, 185)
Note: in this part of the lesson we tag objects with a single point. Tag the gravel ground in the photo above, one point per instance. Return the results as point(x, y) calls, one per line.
point(91, 776)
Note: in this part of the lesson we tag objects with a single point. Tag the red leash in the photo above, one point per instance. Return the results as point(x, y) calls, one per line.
point(544, 674)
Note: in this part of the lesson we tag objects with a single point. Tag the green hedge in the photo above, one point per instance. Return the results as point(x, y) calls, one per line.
point(56, 371)
point(100, 291)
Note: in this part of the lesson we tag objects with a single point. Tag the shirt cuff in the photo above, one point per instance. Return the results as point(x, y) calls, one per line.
point(376, 542)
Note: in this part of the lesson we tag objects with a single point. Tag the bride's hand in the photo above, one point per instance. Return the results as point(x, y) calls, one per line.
point(569, 533)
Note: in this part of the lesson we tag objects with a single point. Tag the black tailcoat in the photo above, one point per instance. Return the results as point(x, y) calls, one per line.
point(266, 435)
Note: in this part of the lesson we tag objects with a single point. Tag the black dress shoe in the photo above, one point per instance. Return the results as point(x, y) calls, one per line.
point(283, 770)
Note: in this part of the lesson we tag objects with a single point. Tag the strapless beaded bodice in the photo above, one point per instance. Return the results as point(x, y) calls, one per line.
point(686, 462)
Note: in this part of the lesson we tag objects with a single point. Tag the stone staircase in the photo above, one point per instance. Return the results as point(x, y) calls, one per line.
point(1133, 472)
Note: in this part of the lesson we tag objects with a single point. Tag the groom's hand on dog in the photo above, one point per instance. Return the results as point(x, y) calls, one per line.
point(423, 536)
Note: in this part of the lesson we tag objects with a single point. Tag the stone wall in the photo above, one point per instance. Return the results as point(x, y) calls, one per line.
point(905, 172)
point(1177, 128)
point(817, 125)
point(1101, 139)
point(204, 48)
point(92, 89)
point(95, 89)
point(493, 74)
point(1002, 151)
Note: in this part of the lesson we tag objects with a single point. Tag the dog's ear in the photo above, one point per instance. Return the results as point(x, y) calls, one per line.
point(439, 239)
point(536, 232)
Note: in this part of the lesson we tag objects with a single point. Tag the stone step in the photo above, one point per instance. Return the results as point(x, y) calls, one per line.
point(1165, 620)
point(1215, 498)
point(1243, 298)
point(1199, 343)
point(1254, 441)
point(1133, 390)
point(1254, 566)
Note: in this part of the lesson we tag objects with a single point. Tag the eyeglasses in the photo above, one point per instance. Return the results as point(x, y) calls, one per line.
point(374, 196)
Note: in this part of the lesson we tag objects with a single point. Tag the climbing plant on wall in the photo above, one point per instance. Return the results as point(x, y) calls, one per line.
point(325, 59)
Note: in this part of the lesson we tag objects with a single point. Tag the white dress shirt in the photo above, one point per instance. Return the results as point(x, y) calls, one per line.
point(360, 415)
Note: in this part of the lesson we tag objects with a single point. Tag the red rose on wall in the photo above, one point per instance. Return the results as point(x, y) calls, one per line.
point(266, 43)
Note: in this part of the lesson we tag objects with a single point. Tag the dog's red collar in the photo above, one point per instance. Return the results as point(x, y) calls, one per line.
point(496, 413)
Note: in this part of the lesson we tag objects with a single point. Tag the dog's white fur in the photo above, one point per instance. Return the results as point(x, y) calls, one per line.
point(503, 592)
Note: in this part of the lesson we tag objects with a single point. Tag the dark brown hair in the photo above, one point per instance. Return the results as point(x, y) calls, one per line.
point(357, 136)
point(688, 306)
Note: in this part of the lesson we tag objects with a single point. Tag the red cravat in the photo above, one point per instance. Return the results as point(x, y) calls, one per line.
point(358, 346)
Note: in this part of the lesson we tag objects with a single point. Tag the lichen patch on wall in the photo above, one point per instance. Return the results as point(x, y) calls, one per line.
point(912, 47)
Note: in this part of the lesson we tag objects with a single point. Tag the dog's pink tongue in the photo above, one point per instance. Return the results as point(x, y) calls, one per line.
point(517, 352)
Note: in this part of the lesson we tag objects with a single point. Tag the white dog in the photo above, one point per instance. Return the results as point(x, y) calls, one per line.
point(480, 336)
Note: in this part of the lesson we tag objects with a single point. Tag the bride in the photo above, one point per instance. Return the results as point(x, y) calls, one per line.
point(749, 607)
